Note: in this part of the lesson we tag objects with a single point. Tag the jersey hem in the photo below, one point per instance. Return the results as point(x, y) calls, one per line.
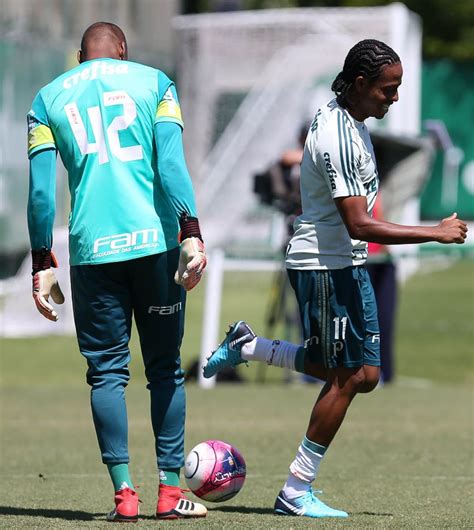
point(316, 267)
point(123, 257)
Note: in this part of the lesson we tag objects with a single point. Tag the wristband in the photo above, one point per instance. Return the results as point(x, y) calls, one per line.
point(189, 227)
point(43, 259)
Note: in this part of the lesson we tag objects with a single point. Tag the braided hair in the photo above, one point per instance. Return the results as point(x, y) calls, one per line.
point(366, 58)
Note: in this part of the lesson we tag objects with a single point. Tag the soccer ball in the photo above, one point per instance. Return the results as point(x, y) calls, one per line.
point(214, 471)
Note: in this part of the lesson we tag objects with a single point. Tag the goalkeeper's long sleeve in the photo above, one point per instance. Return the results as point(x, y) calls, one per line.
point(42, 199)
point(172, 169)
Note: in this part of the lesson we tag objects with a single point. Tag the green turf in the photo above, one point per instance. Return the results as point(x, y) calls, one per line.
point(403, 458)
point(435, 336)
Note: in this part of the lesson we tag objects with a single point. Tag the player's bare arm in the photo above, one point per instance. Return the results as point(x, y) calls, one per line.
point(362, 226)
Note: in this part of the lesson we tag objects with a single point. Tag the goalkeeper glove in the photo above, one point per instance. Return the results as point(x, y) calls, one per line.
point(192, 256)
point(45, 283)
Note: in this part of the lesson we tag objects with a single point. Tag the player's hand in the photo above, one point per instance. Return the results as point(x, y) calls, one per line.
point(192, 262)
point(45, 283)
point(452, 230)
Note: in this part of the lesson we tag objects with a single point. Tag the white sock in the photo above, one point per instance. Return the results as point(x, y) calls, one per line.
point(295, 487)
point(303, 469)
point(273, 352)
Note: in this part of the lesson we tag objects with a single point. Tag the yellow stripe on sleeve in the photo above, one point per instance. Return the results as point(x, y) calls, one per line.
point(168, 109)
point(40, 136)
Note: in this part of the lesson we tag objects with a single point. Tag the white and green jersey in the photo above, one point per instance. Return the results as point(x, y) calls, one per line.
point(338, 161)
point(102, 118)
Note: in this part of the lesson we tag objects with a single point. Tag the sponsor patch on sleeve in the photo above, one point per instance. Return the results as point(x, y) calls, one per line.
point(169, 109)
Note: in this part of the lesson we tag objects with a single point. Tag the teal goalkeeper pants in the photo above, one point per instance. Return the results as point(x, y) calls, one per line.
point(104, 299)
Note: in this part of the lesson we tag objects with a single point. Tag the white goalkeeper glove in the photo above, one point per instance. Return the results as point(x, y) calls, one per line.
point(45, 283)
point(192, 262)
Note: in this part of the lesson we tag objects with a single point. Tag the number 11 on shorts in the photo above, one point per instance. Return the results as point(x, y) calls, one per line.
point(340, 324)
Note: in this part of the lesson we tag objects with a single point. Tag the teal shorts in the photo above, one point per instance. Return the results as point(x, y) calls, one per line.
point(339, 316)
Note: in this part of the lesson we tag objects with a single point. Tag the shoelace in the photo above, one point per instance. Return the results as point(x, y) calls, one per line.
point(313, 495)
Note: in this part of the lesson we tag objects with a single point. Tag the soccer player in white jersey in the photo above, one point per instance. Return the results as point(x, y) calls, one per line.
point(325, 262)
point(117, 126)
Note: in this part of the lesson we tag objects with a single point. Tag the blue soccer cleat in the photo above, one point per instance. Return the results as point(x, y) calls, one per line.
point(228, 351)
point(308, 505)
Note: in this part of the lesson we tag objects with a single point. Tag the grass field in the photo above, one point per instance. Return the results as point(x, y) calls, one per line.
point(403, 458)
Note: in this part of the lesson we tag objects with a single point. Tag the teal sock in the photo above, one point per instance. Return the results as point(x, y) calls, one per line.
point(299, 360)
point(169, 477)
point(120, 476)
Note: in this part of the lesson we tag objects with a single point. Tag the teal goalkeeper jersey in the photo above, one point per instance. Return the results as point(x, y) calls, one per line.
point(102, 117)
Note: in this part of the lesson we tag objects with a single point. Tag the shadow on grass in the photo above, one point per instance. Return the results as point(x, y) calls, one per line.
point(266, 511)
point(68, 515)
point(227, 509)
point(241, 509)
point(377, 514)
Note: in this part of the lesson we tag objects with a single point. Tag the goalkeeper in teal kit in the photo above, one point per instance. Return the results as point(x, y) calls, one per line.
point(134, 241)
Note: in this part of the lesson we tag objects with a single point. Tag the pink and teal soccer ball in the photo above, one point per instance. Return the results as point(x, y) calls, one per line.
point(214, 471)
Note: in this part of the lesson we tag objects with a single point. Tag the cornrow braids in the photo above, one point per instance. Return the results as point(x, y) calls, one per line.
point(366, 58)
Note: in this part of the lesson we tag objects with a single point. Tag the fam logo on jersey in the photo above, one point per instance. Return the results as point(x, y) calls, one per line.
point(127, 242)
point(331, 172)
point(96, 69)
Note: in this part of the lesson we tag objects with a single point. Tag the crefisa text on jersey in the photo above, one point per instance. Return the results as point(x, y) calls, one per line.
point(96, 69)
point(331, 172)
